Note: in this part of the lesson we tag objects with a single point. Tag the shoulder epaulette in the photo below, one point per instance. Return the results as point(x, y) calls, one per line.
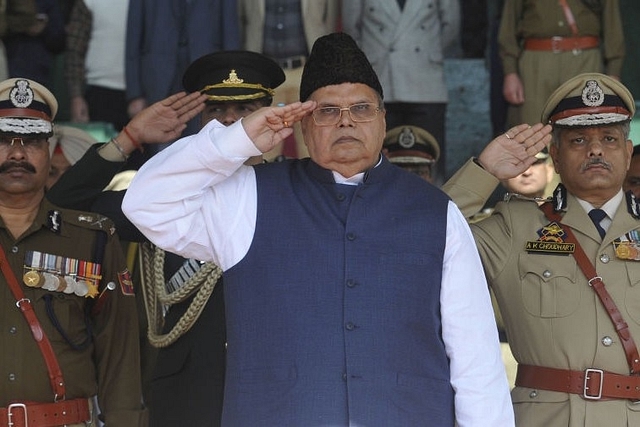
point(89, 220)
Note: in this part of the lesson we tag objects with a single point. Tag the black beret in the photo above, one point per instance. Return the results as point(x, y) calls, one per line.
point(335, 59)
point(233, 76)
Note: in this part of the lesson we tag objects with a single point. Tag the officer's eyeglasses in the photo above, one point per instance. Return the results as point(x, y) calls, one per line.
point(359, 113)
point(28, 143)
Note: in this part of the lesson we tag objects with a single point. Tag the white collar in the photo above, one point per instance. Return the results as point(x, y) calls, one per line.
point(356, 179)
point(610, 207)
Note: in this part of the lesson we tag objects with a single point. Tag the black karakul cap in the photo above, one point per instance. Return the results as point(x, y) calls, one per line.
point(233, 76)
point(335, 59)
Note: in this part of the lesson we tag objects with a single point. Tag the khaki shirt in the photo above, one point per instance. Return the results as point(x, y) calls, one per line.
point(523, 19)
point(109, 367)
point(551, 315)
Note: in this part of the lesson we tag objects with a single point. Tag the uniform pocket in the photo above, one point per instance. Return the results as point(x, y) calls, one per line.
point(632, 294)
point(548, 284)
point(540, 407)
point(65, 315)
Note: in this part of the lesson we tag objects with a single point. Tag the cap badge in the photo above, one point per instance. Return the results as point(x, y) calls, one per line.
point(592, 94)
point(233, 78)
point(21, 95)
point(406, 139)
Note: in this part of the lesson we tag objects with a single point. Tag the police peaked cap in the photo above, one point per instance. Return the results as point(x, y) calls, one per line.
point(26, 108)
point(589, 99)
point(233, 76)
point(335, 59)
point(411, 144)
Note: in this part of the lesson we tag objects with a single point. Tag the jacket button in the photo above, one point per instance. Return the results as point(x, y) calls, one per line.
point(533, 394)
point(604, 258)
point(607, 341)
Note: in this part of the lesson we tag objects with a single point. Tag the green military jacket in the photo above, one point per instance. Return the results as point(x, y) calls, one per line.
point(551, 315)
point(78, 247)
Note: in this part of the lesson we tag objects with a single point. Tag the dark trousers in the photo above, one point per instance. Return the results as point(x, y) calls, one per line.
point(107, 105)
point(188, 383)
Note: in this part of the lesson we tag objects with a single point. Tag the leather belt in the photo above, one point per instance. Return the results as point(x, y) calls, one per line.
point(562, 44)
point(590, 384)
point(292, 62)
point(45, 414)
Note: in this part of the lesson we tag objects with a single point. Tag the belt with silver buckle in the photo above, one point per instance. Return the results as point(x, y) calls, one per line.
point(562, 44)
point(590, 384)
point(32, 414)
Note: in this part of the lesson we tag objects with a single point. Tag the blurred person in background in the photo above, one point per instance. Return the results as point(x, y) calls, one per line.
point(163, 38)
point(94, 62)
point(284, 30)
point(405, 42)
point(67, 146)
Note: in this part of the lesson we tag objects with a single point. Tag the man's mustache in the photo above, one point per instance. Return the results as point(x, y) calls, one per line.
point(7, 166)
point(596, 161)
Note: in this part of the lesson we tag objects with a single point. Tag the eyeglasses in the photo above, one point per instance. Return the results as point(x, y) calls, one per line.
point(359, 113)
point(28, 143)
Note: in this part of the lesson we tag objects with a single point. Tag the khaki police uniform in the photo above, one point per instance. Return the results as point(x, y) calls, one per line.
point(552, 316)
point(542, 71)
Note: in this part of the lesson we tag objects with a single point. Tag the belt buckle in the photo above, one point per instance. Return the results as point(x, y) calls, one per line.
point(587, 376)
point(555, 44)
point(10, 409)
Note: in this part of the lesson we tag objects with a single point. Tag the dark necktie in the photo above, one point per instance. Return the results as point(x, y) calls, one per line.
point(401, 4)
point(596, 216)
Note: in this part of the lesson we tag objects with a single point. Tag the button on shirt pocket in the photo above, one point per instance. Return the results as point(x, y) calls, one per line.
point(548, 284)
